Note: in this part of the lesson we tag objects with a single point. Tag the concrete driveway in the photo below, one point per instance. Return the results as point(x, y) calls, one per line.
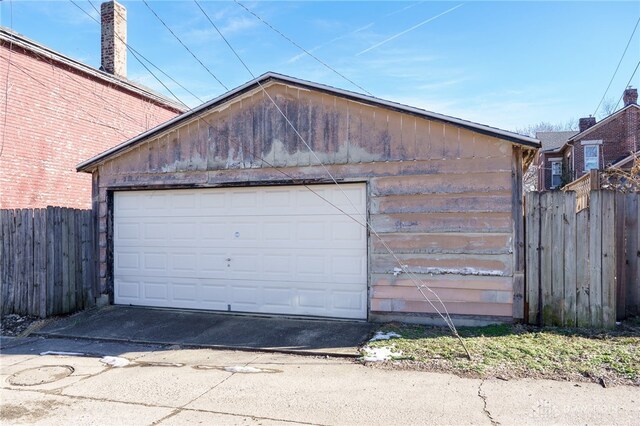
point(171, 386)
point(212, 330)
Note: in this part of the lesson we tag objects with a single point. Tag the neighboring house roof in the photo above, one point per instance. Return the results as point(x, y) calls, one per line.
point(553, 141)
point(15, 39)
point(602, 122)
point(271, 76)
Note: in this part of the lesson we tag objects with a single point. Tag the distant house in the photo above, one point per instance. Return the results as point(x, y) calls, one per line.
point(60, 111)
point(550, 158)
point(567, 156)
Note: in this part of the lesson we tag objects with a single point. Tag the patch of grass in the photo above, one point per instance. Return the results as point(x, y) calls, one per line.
point(510, 351)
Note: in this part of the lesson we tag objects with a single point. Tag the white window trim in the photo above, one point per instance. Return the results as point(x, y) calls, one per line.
point(584, 157)
point(593, 142)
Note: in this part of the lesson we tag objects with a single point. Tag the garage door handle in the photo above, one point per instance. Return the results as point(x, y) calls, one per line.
point(228, 259)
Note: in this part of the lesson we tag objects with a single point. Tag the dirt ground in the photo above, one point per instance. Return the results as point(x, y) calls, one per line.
point(14, 325)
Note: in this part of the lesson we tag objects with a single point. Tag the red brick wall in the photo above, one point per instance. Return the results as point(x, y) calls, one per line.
point(55, 120)
point(620, 137)
point(545, 173)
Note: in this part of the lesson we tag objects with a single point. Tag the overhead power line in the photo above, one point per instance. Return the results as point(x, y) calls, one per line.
point(420, 285)
point(184, 45)
point(130, 50)
point(137, 55)
point(302, 48)
point(96, 121)
point(617, 68)
point(628, 84)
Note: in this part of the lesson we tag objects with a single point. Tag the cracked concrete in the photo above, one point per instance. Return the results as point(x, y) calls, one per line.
point(174, 386)
point(483, 397)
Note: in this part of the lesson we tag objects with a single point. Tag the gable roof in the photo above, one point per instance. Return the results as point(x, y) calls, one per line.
point(602, 122)
point(13, 38)
point(271, 76)
point(552, 141)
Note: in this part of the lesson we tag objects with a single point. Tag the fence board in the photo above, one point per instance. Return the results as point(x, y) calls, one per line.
point(40, 262)
point(43, 268)
point(66, 276)
point(532, 236)
point(557, 257)
point(583, 282)
point(582, 268)
point(608, 260)
point(4, 264)
point(631, 263)
point(50, 286)
point(546, 244)
point(569, 260)
point(595, 257)
point(637, 259)
point(18, 244)
point(620, 241)
point(72, 259)
point(27, 260)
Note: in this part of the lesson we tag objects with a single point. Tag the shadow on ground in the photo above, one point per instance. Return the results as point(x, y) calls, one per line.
point(212, 330)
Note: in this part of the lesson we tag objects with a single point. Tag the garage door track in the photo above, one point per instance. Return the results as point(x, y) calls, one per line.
point(213, 330)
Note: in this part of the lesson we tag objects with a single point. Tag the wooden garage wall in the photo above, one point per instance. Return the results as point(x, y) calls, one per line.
point(440, 196)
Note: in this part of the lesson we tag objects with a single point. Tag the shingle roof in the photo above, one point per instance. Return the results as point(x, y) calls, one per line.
point(553, 140)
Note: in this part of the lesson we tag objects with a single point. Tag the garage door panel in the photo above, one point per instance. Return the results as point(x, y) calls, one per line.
point(184, 290)
point(127, 290)
point(157, 290)
point(289, 251)
point(127, 260)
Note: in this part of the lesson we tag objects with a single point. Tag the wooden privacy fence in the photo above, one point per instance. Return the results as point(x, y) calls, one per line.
point(582, 266)
point(46, 261)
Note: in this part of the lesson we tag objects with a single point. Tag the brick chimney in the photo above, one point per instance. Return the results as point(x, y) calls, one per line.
point(114, 38)
point(586, 122)
point(630, 96)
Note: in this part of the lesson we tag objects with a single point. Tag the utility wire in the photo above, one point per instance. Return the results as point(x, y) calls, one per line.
point(114, 109)
point(6, 82)
point(617, 68)
point(628, 84)
point(96, 121)
point(136, 54)
point(302, 48)
point(420, 285)
point(184, 45)
point(130, 50)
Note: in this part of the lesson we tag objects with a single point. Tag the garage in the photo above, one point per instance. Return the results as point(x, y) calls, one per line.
point(273, 250)
point(233, 206)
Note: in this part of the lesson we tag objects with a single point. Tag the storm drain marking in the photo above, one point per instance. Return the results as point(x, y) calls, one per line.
point(40, 375)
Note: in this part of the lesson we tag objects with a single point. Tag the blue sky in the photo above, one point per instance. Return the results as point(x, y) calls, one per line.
point(505, 64)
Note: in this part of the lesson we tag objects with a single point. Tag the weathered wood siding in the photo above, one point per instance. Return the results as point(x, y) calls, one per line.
point(440, 196)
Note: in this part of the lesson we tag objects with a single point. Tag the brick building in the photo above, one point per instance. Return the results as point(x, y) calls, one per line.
point(566, 156)
point(56, 112)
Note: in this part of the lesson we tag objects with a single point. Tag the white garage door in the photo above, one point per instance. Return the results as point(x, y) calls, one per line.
point(280, 250)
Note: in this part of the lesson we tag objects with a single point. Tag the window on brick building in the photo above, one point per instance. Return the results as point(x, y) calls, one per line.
point(556, 173)
point(591, 157)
